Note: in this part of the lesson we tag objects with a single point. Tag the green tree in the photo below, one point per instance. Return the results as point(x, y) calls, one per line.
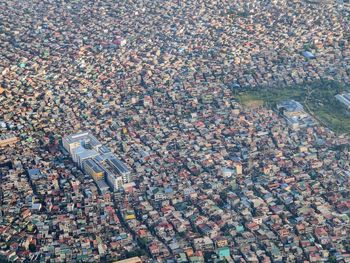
point(332, 259)
point(32, 248)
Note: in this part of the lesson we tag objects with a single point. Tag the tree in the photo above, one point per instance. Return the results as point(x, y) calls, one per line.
point(332, 259)
point(143, 242)
point(135, 253)
point(32, 248)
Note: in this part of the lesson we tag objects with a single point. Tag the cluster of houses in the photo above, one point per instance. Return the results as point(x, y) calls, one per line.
point(152, 85)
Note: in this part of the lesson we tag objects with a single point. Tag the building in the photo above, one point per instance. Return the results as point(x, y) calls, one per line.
point(85, 139)
point(344, 99)
point(97, 161)
point(7, 139)
point(308, 54)
point(291, 108)
point(238, 167)
point(34, 174)
point(91, 167)
point(116, 171)
point(295, 114)
point(227, 172)
point(81, 154)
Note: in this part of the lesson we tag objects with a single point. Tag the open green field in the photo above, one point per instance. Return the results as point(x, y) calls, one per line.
point(317, 97)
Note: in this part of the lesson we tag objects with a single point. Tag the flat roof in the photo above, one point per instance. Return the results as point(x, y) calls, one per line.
point(82, 136)
point(76, 137)
point(102, 185)
point(104, 149)
point(85, 153)
point(118, 165)
point(93, 165)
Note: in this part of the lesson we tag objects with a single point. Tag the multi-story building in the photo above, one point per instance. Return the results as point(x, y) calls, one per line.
point(116, 171)
point(96, 160)
point(84, 139)
point(91, 167)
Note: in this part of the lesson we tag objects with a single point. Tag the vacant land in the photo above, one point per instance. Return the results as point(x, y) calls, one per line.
point(249, 100)
point(317, 98)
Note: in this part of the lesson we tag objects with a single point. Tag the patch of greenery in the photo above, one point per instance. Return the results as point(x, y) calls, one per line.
point(317, 98)
point(138, 252)
point(250, 100)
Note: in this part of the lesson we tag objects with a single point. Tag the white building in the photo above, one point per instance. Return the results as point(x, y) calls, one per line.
point(85, 139)
point(84, 146)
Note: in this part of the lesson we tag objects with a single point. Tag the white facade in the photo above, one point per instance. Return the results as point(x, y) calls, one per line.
point(116, 182)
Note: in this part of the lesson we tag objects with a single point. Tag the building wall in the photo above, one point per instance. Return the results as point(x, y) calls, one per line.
point(116, 182)
point(96, 175)
point(238, 169)
point(70, 146)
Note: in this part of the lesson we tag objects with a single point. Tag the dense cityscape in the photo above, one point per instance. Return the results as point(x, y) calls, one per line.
point(122, 135)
